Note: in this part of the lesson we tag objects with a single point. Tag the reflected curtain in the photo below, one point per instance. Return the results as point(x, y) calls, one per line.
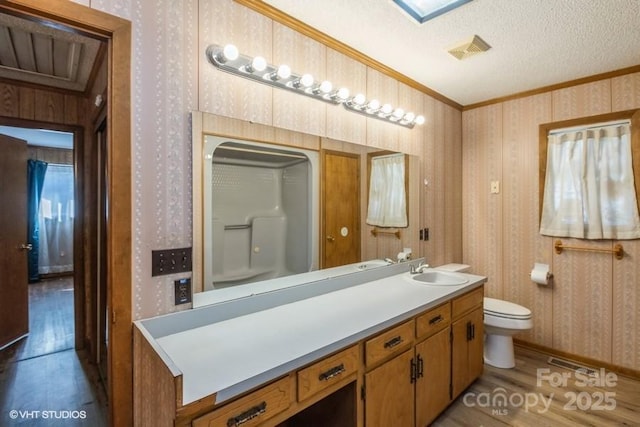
point(36, 171)
point(589, 188)
point(56, 219)
point(387, 197)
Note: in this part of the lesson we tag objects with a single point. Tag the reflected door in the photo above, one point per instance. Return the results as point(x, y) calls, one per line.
point(340, 209)
point(14, 294)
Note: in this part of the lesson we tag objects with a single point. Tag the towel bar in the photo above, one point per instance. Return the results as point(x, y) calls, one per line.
point(377, 231)
point(617, 250)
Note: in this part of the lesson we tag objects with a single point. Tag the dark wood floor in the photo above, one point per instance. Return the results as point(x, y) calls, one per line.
point(44, 381)
point(538, 395)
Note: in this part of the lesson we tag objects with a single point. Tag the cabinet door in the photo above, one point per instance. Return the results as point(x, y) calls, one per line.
point(467, 351)
point(389, 393)
point(433, 377)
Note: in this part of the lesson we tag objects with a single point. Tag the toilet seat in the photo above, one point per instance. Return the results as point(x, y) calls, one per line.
point(505, 309)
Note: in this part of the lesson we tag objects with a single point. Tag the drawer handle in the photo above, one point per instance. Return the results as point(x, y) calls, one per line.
point(436, 319)
point(247, 415)
point(393, 342)
point(337, 370)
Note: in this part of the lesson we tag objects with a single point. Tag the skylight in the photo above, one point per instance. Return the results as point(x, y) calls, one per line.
point(423, 10)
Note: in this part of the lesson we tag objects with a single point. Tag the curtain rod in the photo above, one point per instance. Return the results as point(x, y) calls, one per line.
point(589, 127)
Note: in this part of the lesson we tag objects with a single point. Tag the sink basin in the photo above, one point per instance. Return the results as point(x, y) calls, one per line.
point(374, 263)
point(440, 278)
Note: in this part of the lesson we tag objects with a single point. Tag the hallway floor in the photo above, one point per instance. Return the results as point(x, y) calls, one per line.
point(43, 380)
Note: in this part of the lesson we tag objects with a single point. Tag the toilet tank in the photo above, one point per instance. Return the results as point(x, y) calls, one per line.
point(459, 268)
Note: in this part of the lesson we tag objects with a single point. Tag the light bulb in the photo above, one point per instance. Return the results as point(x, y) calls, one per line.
point(284, 72)
point(230, 53)
point(409, 117)
point(359, 99)
point(306, 80)
point(342, 93)
point(373, 105)
point(387, 109)
point(419, 120)
point(326, 86)
point(258, 64)
point(398, 113)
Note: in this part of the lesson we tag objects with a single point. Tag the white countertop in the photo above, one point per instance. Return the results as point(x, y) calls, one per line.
point(235, 355)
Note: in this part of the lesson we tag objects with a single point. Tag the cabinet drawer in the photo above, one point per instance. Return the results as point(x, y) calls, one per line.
point(327, 372)
point(388, 343)
point(433, 320)
point(468, 301)
point(252, 409)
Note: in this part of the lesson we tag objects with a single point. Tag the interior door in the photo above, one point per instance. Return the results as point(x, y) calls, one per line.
point(340, 209)
point(14, 294)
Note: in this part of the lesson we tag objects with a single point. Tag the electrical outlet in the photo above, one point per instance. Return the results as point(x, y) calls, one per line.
point(170, 261)
point(182, 291)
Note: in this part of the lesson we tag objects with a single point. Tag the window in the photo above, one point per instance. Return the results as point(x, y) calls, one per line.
point(589, 188)
point(387, 205)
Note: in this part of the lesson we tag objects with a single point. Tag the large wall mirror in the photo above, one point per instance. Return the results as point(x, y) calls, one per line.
point(275, 208)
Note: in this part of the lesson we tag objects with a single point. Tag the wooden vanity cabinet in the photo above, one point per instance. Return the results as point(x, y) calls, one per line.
point(412, 385)
point(467, 346)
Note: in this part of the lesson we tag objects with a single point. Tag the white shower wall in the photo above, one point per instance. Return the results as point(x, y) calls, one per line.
point(260, 222)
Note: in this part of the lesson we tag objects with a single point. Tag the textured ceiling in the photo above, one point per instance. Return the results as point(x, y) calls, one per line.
point(45, 56)
point(535, 43)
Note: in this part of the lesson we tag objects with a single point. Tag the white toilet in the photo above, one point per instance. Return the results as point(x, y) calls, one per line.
point(502, 320)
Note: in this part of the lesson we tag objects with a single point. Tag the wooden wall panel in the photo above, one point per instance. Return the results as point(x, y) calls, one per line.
point(341, 124)
point(385, 89)
point(482, 214)
point(626, 302)
point(303, 55)
point(431, 172)
point(584, 100)
point(451, 171)
point(523, 245)
point(625, 92)
point(582, 301)
point(591, 308)
point(222, 22)
point(22, 102)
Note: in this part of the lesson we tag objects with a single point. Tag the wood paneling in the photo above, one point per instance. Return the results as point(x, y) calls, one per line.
point(42, 105)
point(589, 309)
point(580, 101)
point(380, 133)
point(523, 245)
point(482, 215)
point(303, 55)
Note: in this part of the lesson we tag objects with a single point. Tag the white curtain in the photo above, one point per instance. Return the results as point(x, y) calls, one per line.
point(387, 197)
point(56, 220)
point(589, 188)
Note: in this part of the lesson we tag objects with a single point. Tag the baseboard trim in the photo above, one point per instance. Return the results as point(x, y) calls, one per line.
point(628, 372)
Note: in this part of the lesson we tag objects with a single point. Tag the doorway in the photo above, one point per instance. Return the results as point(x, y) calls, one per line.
point(48, 282)
point(116, 34)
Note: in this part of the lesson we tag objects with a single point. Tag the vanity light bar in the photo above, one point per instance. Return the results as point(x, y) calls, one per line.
point(256, 68)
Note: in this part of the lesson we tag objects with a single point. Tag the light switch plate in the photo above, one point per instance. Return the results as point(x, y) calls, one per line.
point(495, 187)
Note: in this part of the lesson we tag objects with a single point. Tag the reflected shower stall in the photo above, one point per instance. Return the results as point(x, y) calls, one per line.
point(260, 211)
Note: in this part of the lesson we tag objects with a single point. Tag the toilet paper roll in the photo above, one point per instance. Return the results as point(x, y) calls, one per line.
point(540, 274)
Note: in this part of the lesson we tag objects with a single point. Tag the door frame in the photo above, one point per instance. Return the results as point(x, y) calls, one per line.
point(116, 32)
point(79, 290)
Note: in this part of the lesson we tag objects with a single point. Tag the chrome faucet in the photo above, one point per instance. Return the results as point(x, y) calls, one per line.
point(413, 269)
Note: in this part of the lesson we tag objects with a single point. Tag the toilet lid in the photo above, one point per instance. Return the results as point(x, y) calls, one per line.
point(502, 308)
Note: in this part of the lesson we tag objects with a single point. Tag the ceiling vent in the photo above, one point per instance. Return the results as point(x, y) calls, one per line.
point(469, 48)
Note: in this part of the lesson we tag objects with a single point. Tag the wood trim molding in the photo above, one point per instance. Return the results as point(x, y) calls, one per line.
point(632, 373)
point(117, 32)
point(557, 86)
point(299, 26)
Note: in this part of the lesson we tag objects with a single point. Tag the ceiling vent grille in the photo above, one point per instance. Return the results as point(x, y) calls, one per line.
point(469, 48)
